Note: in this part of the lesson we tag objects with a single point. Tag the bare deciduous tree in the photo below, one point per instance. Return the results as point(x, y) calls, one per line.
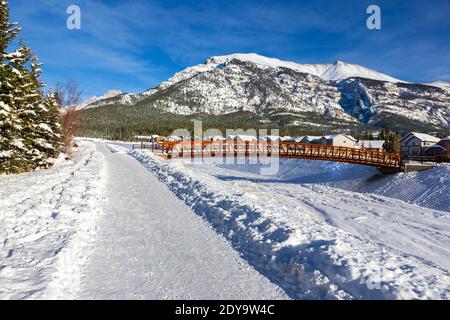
point(69, 97)
point(69, 94)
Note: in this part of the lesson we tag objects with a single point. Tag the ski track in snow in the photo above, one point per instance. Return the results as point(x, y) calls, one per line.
point(317, 241)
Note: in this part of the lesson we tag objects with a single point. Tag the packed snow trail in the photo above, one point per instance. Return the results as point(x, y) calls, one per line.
point(150, 245)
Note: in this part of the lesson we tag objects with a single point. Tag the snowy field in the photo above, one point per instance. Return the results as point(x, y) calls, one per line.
point(48, 226)
point(315, 239)
point(118, 223)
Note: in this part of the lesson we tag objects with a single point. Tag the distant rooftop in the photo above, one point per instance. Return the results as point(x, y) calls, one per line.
point(422, 136)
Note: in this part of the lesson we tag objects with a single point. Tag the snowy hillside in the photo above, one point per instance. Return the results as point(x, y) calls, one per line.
point(440, 84)
point(429, 188)
point(336, 71)
point(91, 102)
point(242, 86)
point(330, 72)
point(401, 106)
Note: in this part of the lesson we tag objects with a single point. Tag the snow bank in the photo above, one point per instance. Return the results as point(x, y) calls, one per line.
point(296, 243)
point(47, 227)
point(430, 188)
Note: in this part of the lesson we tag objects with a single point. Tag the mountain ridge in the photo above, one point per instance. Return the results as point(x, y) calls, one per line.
point(339, 70)
point(440, 84)
point(290, 94)
point(336, 71)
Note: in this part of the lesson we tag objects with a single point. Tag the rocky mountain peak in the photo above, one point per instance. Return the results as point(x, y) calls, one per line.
point(335, 93)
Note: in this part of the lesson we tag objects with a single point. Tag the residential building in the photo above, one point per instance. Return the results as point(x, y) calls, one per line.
point(241, 138)
point(339, 140)
point(376, 145)
point(310, 139)
point(415, 144)
point(436, 150)
point(445, 142)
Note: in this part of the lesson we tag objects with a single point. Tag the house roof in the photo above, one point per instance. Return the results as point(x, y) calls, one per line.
point(269, 138)
point(242, 137)
point(172, 139)
point(328, 137)
point(420, 136)
point(312, 137)
point(153, 136)
point(215, 138)
point(287, 138)
point(375, 144)
point(351, 137)
point(436, 146)
point(333, 136)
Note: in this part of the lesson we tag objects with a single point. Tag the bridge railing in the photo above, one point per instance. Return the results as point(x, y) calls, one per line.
point(197, 149)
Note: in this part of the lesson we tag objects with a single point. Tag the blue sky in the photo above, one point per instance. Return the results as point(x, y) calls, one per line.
point(134, 45)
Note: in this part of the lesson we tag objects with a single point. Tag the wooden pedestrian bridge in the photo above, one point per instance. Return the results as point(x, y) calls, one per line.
point(290, 150)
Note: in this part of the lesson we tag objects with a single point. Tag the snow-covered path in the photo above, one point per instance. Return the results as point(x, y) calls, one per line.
point(150, 245)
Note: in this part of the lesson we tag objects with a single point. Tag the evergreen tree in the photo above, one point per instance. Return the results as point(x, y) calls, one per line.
point(9, 122)
point(46, 130)
point(29, 123)
point(24, 103)
point(50, 128)
point(384, 134)
point(396, 143)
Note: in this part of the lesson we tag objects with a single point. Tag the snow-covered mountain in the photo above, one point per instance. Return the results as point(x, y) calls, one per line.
point(341, 92)
point(91, 102)
point(396, 105)
point(440, 84)
point(336, 71)
point(115, 97)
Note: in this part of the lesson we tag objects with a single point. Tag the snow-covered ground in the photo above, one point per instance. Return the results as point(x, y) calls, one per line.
point(120, 223)
point(151, 245)
point(319, 241)
point(429, 188)
point(47, 226)
point(103, 227)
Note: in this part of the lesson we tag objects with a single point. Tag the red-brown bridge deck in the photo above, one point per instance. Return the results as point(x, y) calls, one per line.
point(282, 150)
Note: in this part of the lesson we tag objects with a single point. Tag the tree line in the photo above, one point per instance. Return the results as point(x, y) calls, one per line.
point(31, 133)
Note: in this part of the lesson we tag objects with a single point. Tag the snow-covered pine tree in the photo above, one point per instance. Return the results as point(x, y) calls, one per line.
point(50, 128)
point(29, 124)
point(47, 128)
point(25, 101)
point(9, 126)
